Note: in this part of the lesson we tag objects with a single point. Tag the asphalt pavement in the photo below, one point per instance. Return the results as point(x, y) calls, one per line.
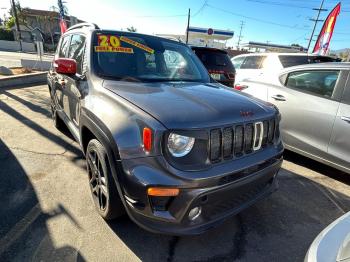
point(47, 213)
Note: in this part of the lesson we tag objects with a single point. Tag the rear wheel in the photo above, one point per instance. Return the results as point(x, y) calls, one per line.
point(103, 189)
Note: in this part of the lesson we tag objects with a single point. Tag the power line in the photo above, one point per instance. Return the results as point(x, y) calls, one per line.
point(176, 15)
point(201, 9)
point(287, 4)
point(256, 19)
point(240, 34)
point(279, 4)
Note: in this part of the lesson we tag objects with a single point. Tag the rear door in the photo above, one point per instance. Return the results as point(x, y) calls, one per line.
point(308, 101)
point(58, 80)
point(339, 146)
point(76, 84)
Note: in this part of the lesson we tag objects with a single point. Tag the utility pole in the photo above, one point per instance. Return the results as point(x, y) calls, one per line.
point(316, 22)
point(240, 34)
point(17, 23)
point(188, 24)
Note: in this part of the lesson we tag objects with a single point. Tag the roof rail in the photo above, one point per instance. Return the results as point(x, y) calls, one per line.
point(81, 25)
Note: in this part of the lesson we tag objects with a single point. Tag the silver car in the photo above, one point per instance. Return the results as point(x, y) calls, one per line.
point(314, 101)
point(333, 243)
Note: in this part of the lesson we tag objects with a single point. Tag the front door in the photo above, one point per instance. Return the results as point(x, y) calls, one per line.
point(308, 105)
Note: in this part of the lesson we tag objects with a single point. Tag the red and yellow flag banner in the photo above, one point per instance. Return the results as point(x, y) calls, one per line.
point(325, 36)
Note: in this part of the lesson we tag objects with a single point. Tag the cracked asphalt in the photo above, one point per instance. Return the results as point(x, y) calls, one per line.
point(47, 214)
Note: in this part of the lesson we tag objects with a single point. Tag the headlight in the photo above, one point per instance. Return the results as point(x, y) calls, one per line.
point(180, 145)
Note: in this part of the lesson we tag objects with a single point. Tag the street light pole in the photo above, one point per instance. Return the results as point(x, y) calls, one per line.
point(17, 23)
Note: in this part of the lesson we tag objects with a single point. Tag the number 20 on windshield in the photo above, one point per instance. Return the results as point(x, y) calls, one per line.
point(108, 40)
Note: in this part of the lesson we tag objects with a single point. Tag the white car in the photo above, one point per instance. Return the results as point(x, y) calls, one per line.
point(254, 66)
point(333, 243)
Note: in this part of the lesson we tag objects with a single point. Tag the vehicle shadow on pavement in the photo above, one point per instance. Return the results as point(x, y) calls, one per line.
point(41, 108)
point(279, 228)
point(39, 129)
point(24, 235)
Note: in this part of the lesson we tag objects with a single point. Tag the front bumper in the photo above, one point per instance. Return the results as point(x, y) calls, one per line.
point(219, 196)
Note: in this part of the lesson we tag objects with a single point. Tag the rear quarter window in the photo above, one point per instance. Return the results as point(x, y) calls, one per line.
point(63, 52)
point(293, 60)
point(253, 62)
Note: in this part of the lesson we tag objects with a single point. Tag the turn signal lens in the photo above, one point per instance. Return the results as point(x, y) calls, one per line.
point(158, 191)
point(147, 139)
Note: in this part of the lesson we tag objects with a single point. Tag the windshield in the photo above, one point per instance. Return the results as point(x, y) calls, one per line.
point(130, 57)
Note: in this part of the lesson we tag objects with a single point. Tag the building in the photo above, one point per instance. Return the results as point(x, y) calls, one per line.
point(267, 47)
point(42, 25)
point(204, 37)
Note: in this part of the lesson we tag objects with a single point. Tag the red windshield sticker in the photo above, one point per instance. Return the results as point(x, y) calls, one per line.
point(111, 43)
point(134, 43)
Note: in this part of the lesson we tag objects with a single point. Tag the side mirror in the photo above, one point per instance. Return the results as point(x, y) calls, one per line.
point(65, 66)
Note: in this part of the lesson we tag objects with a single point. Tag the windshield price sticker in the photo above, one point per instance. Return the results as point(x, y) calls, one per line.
point(139, 45)
point(111, 43)
point(112, 49)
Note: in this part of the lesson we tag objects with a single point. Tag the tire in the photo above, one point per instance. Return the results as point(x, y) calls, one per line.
point(102, 186)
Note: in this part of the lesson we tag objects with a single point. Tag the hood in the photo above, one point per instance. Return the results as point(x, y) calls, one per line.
point(190, 105)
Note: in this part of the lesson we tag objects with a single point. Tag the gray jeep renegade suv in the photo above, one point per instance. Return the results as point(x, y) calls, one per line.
point(165, 143)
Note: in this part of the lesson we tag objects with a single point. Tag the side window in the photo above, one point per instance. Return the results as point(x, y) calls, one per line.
point(76, 50)
point(253, 62)
point(317, 82)
point(64, 47)
point(346, 95)
point(237, 62)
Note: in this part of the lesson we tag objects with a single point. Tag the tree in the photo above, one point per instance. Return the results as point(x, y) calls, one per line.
point(131, 29)
point(10, 22)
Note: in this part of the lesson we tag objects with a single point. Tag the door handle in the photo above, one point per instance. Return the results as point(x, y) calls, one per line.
point(345, 118)
point(278, 97)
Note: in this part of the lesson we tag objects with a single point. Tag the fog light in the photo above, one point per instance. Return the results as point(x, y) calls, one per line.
point(194, 213)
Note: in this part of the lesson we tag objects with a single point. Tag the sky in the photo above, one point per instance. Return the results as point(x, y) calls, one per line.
point(273, 21)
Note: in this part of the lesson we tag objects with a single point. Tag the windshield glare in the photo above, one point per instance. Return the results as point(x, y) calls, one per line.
point(123, 56)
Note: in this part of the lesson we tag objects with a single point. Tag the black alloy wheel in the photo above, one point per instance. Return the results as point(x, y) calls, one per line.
point(102, 186)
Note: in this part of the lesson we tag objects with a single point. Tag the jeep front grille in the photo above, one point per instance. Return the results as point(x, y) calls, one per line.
point(239, 140)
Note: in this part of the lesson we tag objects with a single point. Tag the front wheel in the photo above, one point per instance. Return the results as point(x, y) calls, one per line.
point(103, 189)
